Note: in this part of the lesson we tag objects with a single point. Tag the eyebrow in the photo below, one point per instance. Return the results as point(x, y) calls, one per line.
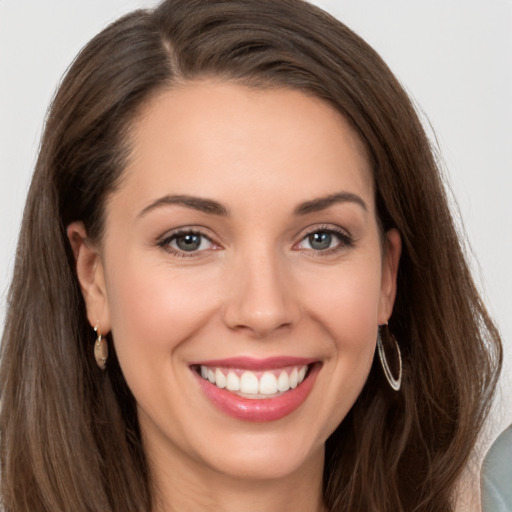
point(322, 203)
point(196, 203)
point(215, 208)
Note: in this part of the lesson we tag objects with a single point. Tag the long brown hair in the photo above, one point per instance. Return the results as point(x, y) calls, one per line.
point(69, 433)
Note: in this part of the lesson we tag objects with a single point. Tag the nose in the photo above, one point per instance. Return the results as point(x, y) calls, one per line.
point(261, 296)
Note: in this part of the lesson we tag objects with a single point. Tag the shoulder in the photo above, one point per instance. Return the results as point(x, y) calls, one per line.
point(497, 475)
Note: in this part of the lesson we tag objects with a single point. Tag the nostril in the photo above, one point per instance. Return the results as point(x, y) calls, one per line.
point(259, 324)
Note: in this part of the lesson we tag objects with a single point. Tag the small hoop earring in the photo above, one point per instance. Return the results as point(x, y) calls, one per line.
point(395, 383)
point(100, 350)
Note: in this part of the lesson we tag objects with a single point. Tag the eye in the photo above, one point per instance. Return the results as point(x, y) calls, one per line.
point(186, 242)
point(325, 240)
point(320, 241)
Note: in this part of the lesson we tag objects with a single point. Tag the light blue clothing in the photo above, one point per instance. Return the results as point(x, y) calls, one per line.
point(497, 475)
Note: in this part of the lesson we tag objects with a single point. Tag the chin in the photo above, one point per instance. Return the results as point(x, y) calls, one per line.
point(266, 457)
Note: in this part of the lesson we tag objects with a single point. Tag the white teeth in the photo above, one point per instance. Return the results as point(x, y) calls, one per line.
point(268, 384)
point(283, 382)
point(249, 383)
point(255, 383)
point(220, 379)
point(294, 378)
point(232, 382)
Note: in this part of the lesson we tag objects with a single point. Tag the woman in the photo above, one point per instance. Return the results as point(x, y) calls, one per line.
point(235, 204)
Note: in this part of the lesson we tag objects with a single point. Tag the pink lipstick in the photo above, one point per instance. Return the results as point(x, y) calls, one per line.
point(257, 390)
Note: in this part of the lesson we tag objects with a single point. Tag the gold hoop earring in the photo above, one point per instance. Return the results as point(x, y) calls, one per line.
point(100, 350)
point(395, 383)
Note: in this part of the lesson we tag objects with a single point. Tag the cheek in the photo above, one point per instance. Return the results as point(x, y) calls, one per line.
point(347, 311)
point(153, 309)
point(345, 306)
point(347, 300)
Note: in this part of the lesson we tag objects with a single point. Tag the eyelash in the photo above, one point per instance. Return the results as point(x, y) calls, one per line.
point(345, 241)
point(165, 243)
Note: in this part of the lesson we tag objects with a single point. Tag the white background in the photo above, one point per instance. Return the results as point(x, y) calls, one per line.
point(453, 56)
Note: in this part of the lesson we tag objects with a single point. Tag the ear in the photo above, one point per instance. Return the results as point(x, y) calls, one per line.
point(89, 269)
point(391, 258)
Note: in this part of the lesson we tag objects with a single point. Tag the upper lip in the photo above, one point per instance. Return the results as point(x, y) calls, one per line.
point(256, 364)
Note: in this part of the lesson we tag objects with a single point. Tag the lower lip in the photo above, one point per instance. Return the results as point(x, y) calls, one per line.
point(259, 410)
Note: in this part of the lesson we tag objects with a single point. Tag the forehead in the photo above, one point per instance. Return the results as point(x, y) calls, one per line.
point(209, 137)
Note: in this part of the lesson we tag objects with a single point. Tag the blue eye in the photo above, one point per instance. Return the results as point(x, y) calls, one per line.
point(186, 242)
point(189, 242)
point(325, 240)
point(320, 241)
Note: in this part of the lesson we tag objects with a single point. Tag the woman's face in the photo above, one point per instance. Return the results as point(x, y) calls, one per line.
point(242, 276)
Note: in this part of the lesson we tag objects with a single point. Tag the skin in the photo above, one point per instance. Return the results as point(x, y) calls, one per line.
point(256, 287)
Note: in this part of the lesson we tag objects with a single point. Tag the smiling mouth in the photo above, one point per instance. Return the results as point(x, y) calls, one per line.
point(255, 384)
point(257, 390)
